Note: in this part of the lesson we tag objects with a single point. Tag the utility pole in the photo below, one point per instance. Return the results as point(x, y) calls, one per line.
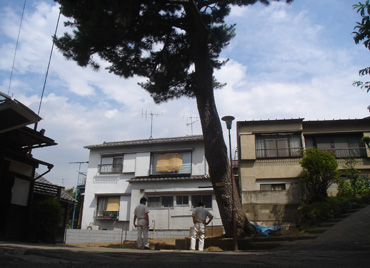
point(76, 191)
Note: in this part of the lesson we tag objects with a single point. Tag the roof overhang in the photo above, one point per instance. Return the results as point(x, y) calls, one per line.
point(14, 114)
point(25, 138)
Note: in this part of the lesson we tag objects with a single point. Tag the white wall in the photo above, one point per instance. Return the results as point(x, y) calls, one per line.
point(177, 217)
point(104, 184)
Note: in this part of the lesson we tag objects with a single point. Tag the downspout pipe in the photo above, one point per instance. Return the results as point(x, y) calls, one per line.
point(50, 167)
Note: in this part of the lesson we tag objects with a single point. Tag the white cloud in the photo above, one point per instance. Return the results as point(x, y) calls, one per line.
point(111, 113)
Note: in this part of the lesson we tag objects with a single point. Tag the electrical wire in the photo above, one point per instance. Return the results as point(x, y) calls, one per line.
point(47, 70)
point(16, 47)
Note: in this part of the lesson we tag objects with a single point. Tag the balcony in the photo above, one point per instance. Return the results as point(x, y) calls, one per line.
point(110, 168)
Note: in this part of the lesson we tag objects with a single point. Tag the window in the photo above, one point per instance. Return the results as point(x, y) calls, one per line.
point(278, 145)
point(272, 187)
point(347, 145)
point(108, 207)
point(111, 164)
point(182, 200)
point(170, 163)
point(160, 201)
point(206, 199)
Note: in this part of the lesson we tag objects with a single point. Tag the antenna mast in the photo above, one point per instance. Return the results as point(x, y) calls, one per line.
point(145, 114)
point(192, 122)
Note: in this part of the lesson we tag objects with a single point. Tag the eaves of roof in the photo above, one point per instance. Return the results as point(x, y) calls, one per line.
point(146, 142)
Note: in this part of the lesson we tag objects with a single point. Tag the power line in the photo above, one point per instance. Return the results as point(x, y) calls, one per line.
point(16, 47)
point(47, 70)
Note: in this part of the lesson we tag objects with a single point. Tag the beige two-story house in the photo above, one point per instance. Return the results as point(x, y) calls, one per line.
point(269, 154)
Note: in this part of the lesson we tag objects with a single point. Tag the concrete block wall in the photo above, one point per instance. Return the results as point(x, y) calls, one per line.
point(78, 236)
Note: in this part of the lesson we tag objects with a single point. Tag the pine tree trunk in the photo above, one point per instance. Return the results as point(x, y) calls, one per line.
point(215, 148)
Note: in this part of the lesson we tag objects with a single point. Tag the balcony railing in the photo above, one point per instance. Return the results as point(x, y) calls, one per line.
point(297, 152)
point(186, 169)
point(107, 215)
point(279, 153)
point(110, 168)
point(81, 181)
point(347, 152)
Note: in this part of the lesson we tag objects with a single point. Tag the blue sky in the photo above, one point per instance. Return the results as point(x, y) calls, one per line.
point(286, 61)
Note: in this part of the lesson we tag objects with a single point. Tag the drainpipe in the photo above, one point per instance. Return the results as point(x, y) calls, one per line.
point(50, 167)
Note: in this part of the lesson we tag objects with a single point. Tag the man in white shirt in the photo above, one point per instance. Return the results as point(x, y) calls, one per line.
point(200, 215)
point(141, 214)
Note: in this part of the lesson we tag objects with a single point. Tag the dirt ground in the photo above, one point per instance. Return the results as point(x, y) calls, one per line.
point(169, 243)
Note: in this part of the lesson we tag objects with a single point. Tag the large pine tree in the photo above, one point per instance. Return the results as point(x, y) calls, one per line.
point(176, 45)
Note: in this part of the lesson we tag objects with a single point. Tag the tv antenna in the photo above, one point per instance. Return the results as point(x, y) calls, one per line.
point(151, 114)
point(193, 119)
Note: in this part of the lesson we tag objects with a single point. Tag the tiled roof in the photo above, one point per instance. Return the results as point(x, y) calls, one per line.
point(45, 187)
point(145, 179)
point(146, 142)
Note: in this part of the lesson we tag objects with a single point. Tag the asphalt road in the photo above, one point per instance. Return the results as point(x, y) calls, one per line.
point(347, 244)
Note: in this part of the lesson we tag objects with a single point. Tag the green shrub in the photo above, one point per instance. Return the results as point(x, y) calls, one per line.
point(45, 218)
point(316, 212)
point(320, 170)
point(346, 188)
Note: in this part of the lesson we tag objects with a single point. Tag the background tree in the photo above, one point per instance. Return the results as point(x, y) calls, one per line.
point(366, 140)
point(173, 43)
point(351, 173)
point(320, 170)
point(362, 34)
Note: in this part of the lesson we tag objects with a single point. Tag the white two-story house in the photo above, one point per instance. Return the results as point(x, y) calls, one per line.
point(172, 173)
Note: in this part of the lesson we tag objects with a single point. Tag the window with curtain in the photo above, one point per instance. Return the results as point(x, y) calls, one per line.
point(344, 145)
point(107, 207)
point(278, 145)
point(111, 164)
point(170, 163)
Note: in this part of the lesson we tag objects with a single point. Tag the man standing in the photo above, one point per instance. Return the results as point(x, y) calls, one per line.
point(141, 213)
point(200, 215)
